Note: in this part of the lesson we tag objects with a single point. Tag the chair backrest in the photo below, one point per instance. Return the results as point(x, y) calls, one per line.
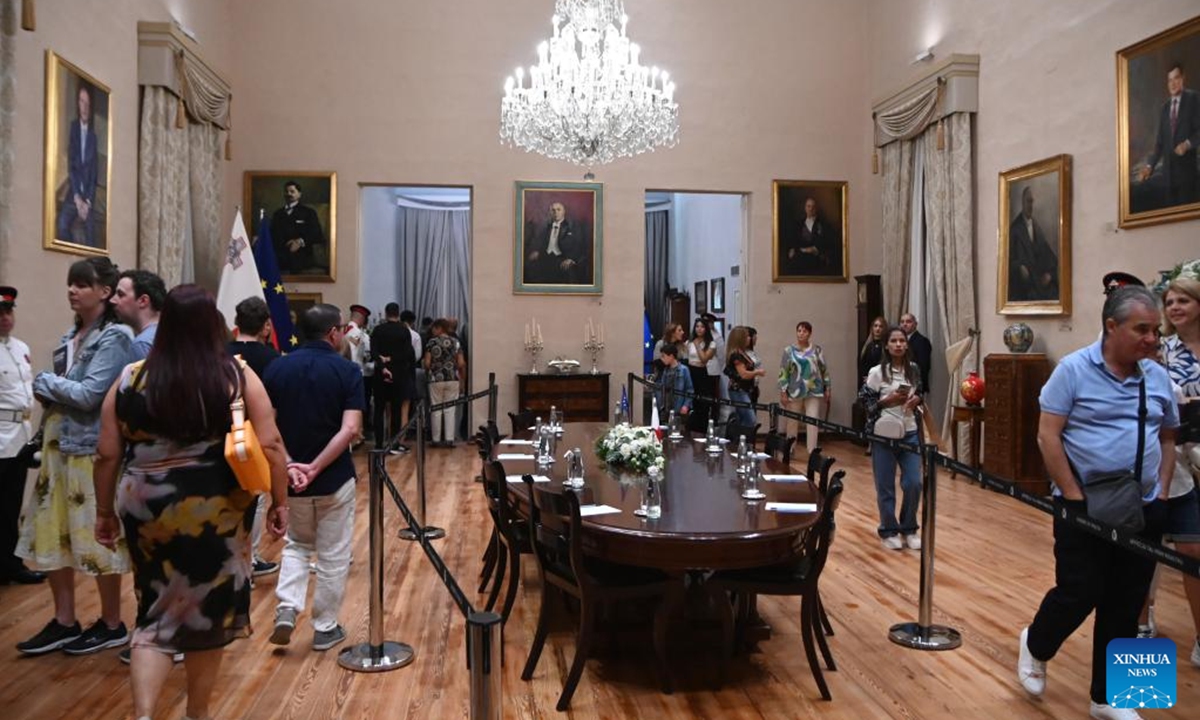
point(815, 458)
point(823, 474)
point(735, 430)
point(521, 421)
point(779, 445)
point(493, 431)
point(486, 443)
point(495, 486)
point(555, 533)
point(821, 536)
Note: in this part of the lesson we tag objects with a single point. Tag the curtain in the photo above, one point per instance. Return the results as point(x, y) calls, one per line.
point(163, 195)
point(204, 190)
point(909, 119)
point(897, 178)
point(950, 214)
point(8, 107)
point(657, 249)
point(917, 261)
point(435, 263)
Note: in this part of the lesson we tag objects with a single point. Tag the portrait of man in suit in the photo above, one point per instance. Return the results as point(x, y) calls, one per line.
point(1177, 138)
point(1034, 228)
point(299, 209)
point(558, 239)
point(810, 238)
point(296, 233)
point(1032, 260)
point(76, 178)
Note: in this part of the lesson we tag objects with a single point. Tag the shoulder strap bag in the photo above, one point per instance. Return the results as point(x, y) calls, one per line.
point(1116, 498)
point(242, 449)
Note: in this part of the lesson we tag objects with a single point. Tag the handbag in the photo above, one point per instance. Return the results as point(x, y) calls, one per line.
point(889, 426)
point(243, 451)
point(1116, 498)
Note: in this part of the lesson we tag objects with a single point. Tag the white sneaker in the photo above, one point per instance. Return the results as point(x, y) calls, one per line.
point(1031, 671)
point(1150, 629)
point(1196, 653)
point(913, 541)
point(1108, 712)
point(892, 543)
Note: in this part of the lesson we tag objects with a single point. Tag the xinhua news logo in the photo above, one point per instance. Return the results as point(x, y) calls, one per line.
point(1141, 673)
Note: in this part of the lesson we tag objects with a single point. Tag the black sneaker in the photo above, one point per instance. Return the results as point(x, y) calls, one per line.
point(96, 638)
point(51, 638)
point(126, 656)
point(264, 567)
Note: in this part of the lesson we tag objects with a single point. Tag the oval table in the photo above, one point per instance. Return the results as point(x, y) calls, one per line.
point(705, 522)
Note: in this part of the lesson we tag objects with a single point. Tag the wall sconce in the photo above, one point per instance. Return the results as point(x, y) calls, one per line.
point(926, 54)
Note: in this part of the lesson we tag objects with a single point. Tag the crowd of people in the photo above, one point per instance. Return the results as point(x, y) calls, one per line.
point(141, 391)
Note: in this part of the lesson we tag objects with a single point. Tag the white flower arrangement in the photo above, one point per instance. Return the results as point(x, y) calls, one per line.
point(1187, 269)
point(636, 448)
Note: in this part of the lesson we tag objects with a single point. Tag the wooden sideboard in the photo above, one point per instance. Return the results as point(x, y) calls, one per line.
point(1010, 422)
point(582, 397)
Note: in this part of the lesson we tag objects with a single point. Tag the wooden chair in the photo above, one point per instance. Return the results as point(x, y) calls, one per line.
point(800, 577)
point(779, 446)
point(555, 532)
point(814, 462)
point(512, 534)
point(734, 430)
point(522, 421)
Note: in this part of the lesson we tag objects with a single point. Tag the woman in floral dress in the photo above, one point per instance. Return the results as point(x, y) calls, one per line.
point(186, 520)
point(804, 381)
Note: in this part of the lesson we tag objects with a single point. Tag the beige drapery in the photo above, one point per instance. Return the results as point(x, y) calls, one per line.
point(897, 169)
point(8, 106)
point(162, 187)
point(909, 119)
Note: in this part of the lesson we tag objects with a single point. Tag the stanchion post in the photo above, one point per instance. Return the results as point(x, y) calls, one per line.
point(923, 634)
point(377, 654)
point(774, 415)
point(483, 663)
point(429, 531)
point(492, 399)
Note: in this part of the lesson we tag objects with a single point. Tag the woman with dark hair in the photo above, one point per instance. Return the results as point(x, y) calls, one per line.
point(871, 353)
point(700, 349)
point(186, 517)
point(57, 531)
point(742, 374)
point(804, 382)
point(893, 388)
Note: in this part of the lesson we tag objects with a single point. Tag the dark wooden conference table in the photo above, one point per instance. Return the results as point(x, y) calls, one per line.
point(705, 523)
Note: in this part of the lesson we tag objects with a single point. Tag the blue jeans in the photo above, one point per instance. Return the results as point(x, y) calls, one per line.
point(883, 462)
point(745, 416)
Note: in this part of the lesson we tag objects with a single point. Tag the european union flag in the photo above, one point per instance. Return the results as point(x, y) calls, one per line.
point(625, 400)
point(273, 291)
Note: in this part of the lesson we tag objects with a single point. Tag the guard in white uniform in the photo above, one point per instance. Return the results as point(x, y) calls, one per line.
point(16, 405)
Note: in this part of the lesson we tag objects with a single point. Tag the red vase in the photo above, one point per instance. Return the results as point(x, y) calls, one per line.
point(972, 389)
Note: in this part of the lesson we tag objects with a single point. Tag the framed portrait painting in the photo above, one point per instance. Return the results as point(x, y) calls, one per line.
point(78, 160)
point(1034, 269)
point(300, 213)
point(701, 296)
point(299, 302)
point(1158, 127)
point(718, 295)
point(558, 238)
point(809, 237)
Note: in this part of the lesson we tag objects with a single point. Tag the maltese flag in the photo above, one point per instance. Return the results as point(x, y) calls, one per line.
point(239, 275)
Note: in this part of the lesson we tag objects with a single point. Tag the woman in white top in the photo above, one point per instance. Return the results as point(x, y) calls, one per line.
point(700, 350)
point(893, 389)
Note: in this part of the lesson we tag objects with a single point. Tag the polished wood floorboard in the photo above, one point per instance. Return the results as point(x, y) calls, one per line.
point(993, 565)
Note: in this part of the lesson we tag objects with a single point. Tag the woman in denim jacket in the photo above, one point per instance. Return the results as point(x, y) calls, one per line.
point(57, 532)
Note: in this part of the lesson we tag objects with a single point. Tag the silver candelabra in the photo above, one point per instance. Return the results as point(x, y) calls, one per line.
point(534, 346)
point(594, 346)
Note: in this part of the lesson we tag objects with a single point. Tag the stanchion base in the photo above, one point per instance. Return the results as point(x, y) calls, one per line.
point(934, 637)
point(368, 658)
point(429, 531)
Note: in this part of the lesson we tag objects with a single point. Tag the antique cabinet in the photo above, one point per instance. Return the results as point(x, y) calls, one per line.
point(1010, 423)
point(580, 397)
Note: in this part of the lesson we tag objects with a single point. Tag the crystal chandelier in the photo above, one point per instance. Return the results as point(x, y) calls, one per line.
point(589, 100)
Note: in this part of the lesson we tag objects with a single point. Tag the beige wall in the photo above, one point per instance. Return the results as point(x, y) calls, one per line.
point(1047, 85)
point(101, 39)
point(409, 93)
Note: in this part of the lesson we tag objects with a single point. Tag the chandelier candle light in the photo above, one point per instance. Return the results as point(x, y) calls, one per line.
point(593, 342)
point(589, 100)
point(533, 343)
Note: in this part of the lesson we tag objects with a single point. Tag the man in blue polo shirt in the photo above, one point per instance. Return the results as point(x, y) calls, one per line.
point(1088, 428)
point(318, 398)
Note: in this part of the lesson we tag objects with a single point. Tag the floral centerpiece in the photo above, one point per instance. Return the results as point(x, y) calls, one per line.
point(635, 448)
point(1187, 269)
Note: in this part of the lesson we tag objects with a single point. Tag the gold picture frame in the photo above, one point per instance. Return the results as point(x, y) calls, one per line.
point(578, 266)
point(298, 302)
point(77, 173)
point(1033, 276)
point(264, 197)
point(819, 254)
point(1157, 183)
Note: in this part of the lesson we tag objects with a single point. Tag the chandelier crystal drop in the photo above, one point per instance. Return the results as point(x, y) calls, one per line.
point(588, 99)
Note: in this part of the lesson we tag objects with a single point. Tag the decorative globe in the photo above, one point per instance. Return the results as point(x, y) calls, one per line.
point(972, 389)
point(1018, 337)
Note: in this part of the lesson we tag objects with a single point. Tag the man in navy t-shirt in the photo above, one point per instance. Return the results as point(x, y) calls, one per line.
point(318, 398)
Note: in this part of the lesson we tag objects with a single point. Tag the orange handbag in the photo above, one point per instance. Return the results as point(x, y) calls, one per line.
point(243, 452)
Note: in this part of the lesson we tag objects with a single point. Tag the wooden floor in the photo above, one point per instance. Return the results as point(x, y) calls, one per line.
point(993, 565)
